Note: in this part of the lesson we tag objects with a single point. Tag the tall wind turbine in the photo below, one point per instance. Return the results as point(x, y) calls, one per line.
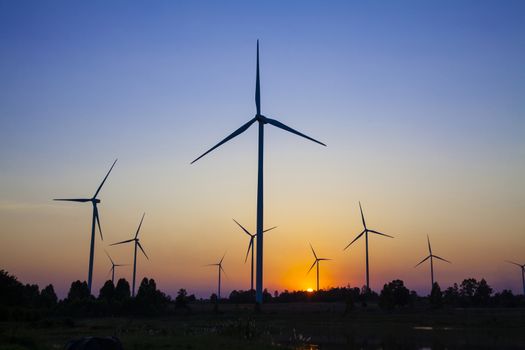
point(112, 269)
point(316, 264)
point(261, 120)
point(95, 221)
point(431, 257)
point(522, 273)
point(219, 266)
point(137, 244)
point(250, 247)
point(365, 232)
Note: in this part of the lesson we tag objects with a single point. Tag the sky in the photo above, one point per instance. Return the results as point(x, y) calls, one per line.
point(420, 103)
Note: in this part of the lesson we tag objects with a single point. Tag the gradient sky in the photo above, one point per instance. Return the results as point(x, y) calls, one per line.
point(421, 104)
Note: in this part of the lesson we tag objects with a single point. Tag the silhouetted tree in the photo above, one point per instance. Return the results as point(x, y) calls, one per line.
point(11, 290)
point(451, 295)
point(394, 294)
point(149, 299)
point(482, 293)
point(122, 290)
point(78, 291)
point(436, 296)
point(181, 300)
point(48, 297)
point(107, 292)
point(506, 299)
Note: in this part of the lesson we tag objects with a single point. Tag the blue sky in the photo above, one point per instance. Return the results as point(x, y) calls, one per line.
point(421, 105)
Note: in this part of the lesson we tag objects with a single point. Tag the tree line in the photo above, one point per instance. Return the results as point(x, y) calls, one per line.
point(26, 302)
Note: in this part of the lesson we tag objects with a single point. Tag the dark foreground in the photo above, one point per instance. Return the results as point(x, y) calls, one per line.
point(286, 326)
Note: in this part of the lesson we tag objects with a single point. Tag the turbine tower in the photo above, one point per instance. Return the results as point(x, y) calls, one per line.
point(431, 257)
point(316, 264)
point(219, 266)
point(112, 269)
point(522, 267)
point(137, 244)
point(261, 120)
point(95, 221)
point(365, 232)
point(250, 247)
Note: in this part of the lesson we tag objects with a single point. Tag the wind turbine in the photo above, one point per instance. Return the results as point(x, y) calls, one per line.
point(112, 269)
point(316, 264)
point(95, 221)
point(261, 120)
point(365, 232)
point(250, 247)
point(522, 273)
point(219, 266)
point(431, 257)
point(137, 244)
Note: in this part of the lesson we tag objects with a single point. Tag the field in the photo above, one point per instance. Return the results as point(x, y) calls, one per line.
point(289, 326)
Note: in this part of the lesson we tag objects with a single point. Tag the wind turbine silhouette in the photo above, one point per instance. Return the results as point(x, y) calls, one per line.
point(431, 256)
point(219, 265)
point(95, 221)
point(522, 267)
point(365, 232)
point(262, 120)
point(137, 244)
point(250, 247)
point(316, 263)
point(112, 269)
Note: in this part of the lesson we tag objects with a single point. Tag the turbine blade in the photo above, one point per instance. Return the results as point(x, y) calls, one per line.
point(140, 246)
point(225, 274)
point(355, 239)
point(140, 224)
point(287, 128)
point(422, 261)
point(220, 262)
point(379, 233)
point(100, 187)
point(109, 257)
point(242, 227)
point(210, 265)
point(228, 138)
point(362, 216)
point(258, 85)
point(97, 219)
point(311, 267)
point(324, 259)
point(81, 200)
point(437, 257)
point(126, 241)
point(250, 246)
point(512, 262)
point(269, 229)
point(313, 251)
point(111, 268)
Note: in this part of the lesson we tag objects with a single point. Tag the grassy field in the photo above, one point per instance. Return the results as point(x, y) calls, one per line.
point(290, 326)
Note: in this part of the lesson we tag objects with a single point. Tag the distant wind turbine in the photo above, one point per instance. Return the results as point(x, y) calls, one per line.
point(95, 221)
point(431, 257)
point(262, 120)
point(522, 267)
point(137, 244)
point(219, 266)
point(316, 264)
point(250, 247)
point(112, 269)
point(365, 232)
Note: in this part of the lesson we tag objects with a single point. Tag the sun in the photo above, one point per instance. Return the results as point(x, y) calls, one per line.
point(309, 290)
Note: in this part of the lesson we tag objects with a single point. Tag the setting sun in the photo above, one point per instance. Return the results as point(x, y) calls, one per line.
point(309, 290)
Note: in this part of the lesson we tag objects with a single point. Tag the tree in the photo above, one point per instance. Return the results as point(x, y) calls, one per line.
point(451, 295)
point(482, 293)
point(181, 301)
point(78, 291)
point(48, 297)
point(122, 290)
point(394, 294)
point(436, 296)
point(107, 292)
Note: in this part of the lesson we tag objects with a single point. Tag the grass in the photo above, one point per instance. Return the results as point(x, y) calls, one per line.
point(292, 326)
